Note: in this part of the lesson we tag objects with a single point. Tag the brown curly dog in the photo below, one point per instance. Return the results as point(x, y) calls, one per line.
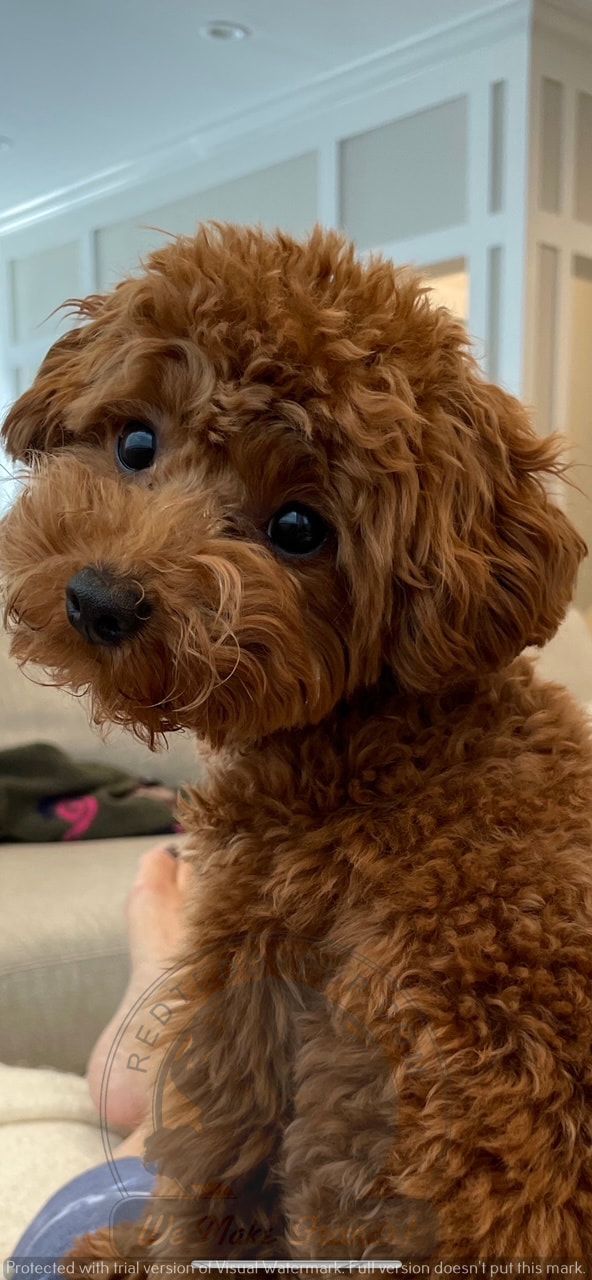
point(273, 501)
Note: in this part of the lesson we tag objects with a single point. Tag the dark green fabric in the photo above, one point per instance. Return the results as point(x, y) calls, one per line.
point(98, 800)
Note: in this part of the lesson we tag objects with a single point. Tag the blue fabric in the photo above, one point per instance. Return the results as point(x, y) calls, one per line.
point(87, 1203)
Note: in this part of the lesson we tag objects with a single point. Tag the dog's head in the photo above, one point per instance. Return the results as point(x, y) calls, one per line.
point(263, 473)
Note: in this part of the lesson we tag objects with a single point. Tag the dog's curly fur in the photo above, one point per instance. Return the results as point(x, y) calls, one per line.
point(388, 1032)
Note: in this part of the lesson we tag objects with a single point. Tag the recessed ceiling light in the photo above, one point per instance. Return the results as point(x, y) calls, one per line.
point(225, 31)
point(6, 144)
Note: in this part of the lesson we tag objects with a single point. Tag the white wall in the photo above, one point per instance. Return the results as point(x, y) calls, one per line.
point(422, 154)
point(282, 195)
point(558, 352)
point(580, 415)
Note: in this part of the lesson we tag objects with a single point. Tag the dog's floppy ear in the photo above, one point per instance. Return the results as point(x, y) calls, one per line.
point(35, 422)
point(497, 557)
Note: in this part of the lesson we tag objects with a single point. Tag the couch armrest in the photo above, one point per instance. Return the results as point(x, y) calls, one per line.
point(63, 949)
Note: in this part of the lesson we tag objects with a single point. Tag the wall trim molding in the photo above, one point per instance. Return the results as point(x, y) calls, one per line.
point(365, 76)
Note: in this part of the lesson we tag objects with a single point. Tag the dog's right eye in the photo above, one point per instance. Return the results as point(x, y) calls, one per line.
point(136, 447)
point(297, 530)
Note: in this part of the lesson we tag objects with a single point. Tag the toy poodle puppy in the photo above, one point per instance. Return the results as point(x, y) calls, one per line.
point(272, 501)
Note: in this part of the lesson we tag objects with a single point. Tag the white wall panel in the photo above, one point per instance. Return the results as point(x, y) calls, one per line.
point(497, 144)
point(583, 159)
point(24, 375)
point(406, 178)
point(551, 145)
point(580, 415)
point(494, 311)
point(283, 195)
point(546, 336)
point(41, 282)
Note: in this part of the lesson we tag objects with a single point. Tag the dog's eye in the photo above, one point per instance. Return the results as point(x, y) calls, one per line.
point(136, 447)
point(297, 530)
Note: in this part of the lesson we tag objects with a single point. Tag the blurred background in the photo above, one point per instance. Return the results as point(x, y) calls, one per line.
point(452, 134)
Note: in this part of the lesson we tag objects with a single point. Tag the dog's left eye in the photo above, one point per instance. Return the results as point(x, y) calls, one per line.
point(297, 530)
point(136, 447)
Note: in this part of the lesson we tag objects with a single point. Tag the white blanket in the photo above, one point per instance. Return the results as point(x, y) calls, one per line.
point(48, 1133)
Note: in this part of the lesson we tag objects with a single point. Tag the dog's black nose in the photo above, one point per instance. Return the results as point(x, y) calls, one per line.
point(105, 609)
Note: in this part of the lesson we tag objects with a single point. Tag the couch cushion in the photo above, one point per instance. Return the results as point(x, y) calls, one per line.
point(31, 711)
point(49, 1133)
point(63, 947)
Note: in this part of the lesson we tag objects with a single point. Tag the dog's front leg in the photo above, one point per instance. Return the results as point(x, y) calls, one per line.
point(340, 1155)
point(225, 1091)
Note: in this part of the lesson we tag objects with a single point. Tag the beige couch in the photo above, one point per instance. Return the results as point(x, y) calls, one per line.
point(63, 957)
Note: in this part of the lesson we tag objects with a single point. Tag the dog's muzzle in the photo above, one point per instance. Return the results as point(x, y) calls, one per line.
point(106, 610)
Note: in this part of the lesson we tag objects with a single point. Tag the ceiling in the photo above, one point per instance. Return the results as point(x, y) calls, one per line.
point(86, 85)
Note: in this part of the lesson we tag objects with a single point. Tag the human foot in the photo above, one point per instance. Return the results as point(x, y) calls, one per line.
point(123, 1062)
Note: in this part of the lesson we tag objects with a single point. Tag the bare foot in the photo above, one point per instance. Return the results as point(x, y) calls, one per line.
point(126, 1055)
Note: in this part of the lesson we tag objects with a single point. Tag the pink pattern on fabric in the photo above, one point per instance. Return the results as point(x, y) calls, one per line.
point(79, 813)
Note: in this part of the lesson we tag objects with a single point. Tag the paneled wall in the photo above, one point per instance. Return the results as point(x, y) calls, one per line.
point(558, 379)
point(422, 156)
point(580, 412)
point(39, 281)
point(426, 164)
point(282, 195)
point(389, 176)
